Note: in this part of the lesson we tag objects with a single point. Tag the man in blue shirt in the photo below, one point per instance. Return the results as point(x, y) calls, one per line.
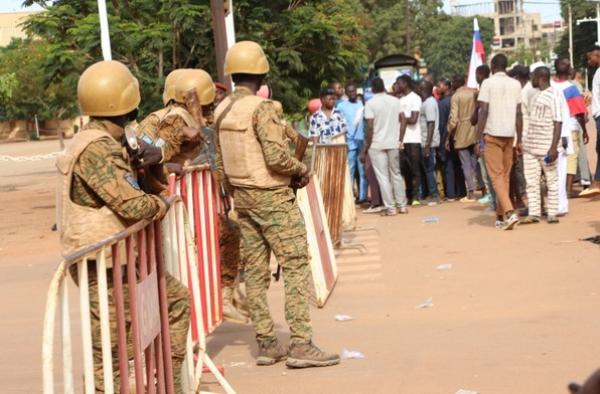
point(353, 111)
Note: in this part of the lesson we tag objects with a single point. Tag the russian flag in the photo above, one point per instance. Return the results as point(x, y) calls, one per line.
point(477, 56)
point(575, 101)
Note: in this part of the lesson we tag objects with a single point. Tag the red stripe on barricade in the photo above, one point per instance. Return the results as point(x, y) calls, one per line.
point(199, 230)
point(217, 231)
point(164, 310)
point(133, 308)
point(207, 182)
point(203, 208)
point(120, 311)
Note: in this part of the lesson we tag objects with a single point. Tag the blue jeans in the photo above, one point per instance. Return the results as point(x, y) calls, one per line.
point(354, 164)
point(597, 174)
point(429, 170)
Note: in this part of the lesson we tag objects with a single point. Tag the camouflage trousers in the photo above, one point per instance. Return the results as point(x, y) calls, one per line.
point(179, 318)
point(278, 228)
point(229, 247)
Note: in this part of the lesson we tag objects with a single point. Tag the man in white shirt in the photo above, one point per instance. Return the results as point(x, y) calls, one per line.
point(540, 145)
point(500, 119)
point(410, 134)
point(383, 135)
point(594, 61)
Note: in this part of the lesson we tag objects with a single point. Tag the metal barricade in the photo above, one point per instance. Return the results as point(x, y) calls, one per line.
point(131, 266)
point(322, 258)
point(330, 166)
point(200, 195)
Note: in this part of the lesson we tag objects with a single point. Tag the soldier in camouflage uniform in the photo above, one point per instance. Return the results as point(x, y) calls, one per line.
point(170, 129)
point(101, 196)
point(252, 152)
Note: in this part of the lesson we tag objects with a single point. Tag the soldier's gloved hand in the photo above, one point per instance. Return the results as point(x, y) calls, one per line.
point(192, 134)
point(163, 207)
point(149, 154)
point(175, 168)
point(298, 182)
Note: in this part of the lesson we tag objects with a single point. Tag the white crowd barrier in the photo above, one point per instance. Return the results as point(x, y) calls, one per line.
point(139, 257)
point(322, 258)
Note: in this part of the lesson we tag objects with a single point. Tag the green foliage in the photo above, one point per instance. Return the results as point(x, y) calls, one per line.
point(584, 35)
point(310, 43)
point(447, 45)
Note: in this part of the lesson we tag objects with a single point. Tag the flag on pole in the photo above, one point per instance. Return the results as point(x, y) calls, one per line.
point(477, 56)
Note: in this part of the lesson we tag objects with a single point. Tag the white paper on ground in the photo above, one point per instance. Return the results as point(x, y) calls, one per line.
point(426, 304)
point(343, 318)
point(348, 354)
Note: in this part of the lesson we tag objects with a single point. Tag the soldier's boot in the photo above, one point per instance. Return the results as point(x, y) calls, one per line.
point(270, 353)
point(240, 301)
point(230, 313)
point(307, 355)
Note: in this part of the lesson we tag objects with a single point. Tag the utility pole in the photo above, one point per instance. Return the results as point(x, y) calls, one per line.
point(407, 18)
point(217, 8)
point(570, 34)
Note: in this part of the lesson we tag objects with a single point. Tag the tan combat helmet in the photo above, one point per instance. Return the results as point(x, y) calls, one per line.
point(108, 88)
point(169, 92)
point(246, 57)
point(195, 79)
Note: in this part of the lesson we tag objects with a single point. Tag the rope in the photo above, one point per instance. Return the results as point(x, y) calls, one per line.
point(20, 159)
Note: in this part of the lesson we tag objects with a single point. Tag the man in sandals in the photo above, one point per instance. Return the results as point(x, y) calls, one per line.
point(540, 146)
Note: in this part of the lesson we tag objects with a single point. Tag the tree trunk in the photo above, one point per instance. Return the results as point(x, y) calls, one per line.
point(161, 63)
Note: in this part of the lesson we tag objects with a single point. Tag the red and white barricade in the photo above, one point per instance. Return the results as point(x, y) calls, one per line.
point(138, 261)
point(201, 197)
point(322, 258)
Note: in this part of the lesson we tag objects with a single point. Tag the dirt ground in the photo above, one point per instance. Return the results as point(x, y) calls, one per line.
point(516, 313)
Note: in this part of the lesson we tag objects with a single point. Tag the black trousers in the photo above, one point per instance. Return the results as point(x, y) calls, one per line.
point(412, 164)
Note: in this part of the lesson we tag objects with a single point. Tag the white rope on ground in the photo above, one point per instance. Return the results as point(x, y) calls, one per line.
point(47, 156)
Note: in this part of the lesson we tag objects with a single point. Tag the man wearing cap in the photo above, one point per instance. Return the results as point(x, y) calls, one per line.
point(101, 197)
point(253, 155)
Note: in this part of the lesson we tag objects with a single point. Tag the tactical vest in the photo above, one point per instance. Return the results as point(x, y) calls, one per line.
point(242, 153)
point(81, 226)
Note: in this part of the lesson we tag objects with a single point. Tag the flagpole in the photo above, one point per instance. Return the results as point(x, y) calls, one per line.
point(104, 34)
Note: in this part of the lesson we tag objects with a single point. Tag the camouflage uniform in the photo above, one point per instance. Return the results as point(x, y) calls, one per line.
point(102, 177)
point(270, 220)
point(177, 148)
point(229, 247)
point(171, 139)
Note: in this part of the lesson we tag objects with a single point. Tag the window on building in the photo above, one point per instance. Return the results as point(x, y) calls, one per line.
point(505, 6)
point(507, 26)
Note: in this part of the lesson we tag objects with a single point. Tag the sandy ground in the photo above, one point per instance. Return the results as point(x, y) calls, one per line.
point(516, 313)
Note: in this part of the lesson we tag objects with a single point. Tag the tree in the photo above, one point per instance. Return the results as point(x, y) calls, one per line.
point(308, 42)
point(584, 35)
point(448, 44)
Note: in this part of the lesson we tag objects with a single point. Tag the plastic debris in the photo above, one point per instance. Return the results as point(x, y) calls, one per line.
point(444, 267)
point(426, 304)
point(431, 220)
point(461, 391)
point(348, 354)
point(343, 318)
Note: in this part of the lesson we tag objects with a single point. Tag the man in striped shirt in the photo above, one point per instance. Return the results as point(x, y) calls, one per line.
point(540, 146)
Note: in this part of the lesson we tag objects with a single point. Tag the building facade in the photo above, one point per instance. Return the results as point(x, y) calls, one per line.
point(513, 27)
point(10, 25)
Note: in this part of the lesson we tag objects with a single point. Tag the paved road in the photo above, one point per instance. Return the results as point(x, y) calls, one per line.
point(517, 313)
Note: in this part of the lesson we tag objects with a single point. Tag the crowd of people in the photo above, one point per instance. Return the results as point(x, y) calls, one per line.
point(519, 136)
